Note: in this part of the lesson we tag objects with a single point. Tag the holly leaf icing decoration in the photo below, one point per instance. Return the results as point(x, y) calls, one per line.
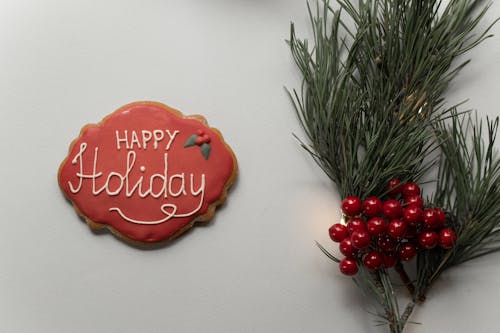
point(205, 150)
point(191, 141)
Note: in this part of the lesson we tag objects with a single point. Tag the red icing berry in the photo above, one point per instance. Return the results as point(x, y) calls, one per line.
point(376, 226)
point(373, 260)
point(389, 260)
point(360, 239)
point(200, 132)
point(199, 141)
point(347, 249)
point(410, 189)
point(386, 243)
point(338, 232)
point(430, 218)
point(372, 206)
point(397, 229)
point(415, 200)
point(441, 217)
point(407, 251)
point(355, 224)
point(392, 209)
point(428, 239)
point(348, 266)
point(394, 187)
point(352, 206)
point(447, 238)
point(206, 138)
point(412, 215)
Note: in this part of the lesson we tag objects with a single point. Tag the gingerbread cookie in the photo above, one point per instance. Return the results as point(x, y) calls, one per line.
point(147, 173)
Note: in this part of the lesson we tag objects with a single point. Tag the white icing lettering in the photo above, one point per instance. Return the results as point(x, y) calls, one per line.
point(163, 208)
point(181, 190)
point(158, 136)
point(119, 188)
point(94, 175)
point(118, 182)
point(135, 140)
point(163, 177)
point(139, 139)
point(146, 137)
point(123, 139)
point(201, 189)
point(77, 157)
point(171, 137)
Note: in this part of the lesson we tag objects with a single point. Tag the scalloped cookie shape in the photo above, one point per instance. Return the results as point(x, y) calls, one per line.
point(147, 173)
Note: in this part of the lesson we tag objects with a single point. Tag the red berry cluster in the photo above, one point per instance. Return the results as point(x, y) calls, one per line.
point(202, 137)
point(380, 233)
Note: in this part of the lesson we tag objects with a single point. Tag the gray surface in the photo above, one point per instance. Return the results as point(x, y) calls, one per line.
point(254, 268)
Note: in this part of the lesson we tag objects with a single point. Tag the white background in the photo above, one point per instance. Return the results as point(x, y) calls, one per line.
point(254, 267)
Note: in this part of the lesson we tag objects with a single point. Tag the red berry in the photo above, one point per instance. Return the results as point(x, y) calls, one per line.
point(430, 219)
point(394, 187)
point(397, 229)
point(410, 189)
point(389, 260)
point(447, 238)
point(407, 251)
point(347, 249)
point(355, 224)
point(386, 243)
point(348, 266)
point(428, 239)
point(441, 217)
point(392, 209)
point(206, 138)
point(373, 260)
point(360, 239)
point(352, 206)
point(411, 231)
point(372, 206)
point(199, 141)
point(414, 200)
point(200, 132)
point(412, 215)
point(338, 232)
point(376, 226)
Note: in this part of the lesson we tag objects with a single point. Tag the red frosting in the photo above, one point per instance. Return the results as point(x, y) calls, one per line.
point(147, 172)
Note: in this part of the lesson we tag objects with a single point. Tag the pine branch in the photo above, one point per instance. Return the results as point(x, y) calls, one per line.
point(469, 188)
point(370, 103)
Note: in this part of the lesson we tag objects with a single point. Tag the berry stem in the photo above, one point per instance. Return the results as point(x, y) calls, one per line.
point(405, 278)
point(406, 314)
